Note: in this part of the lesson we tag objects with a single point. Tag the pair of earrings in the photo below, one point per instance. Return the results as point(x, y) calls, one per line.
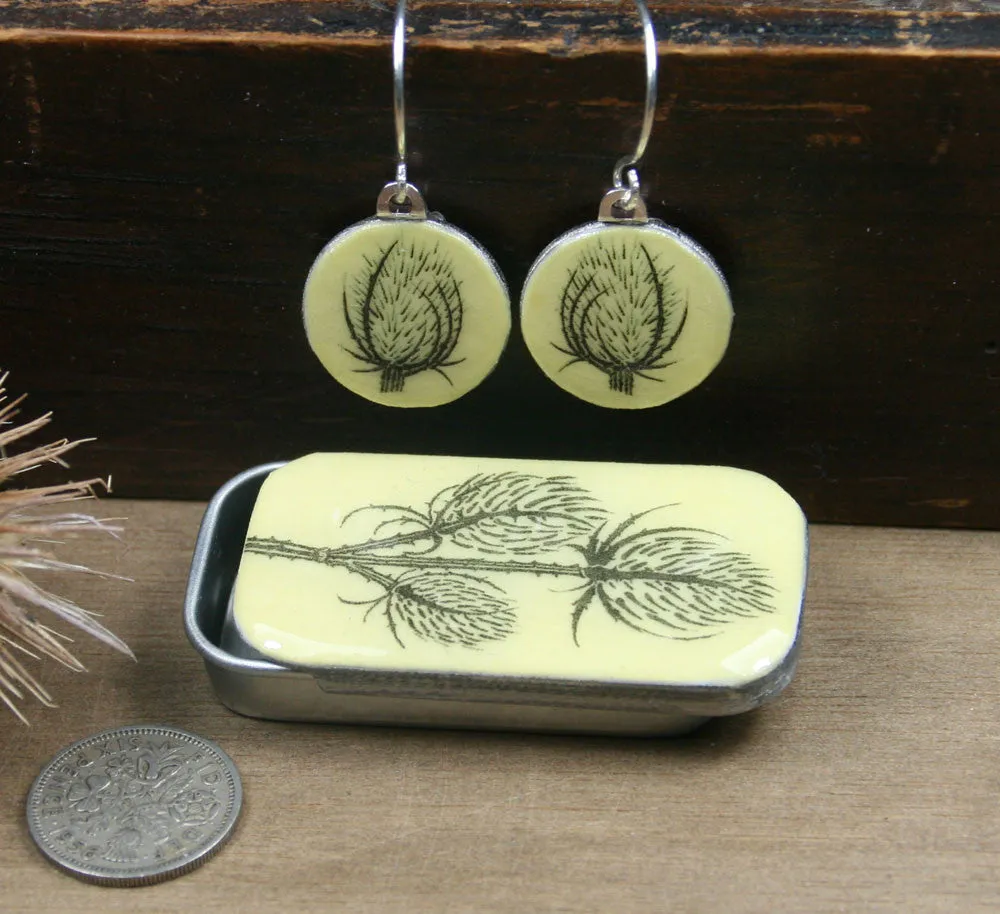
point(625, 312)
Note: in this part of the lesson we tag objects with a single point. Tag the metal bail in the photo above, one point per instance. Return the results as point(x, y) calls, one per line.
point(616, 206)
point(400, 201)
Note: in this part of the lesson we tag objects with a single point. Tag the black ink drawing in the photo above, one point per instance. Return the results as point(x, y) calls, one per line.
point(404, 314)
point(621, 313)
point(437, 569)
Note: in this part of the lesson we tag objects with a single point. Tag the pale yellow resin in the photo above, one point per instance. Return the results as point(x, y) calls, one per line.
point(303, 612)
point(693, 280)
point(482, 329)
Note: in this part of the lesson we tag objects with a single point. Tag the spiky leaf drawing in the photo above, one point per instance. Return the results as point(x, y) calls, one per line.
point(449, 608)
point(515, 513)
point(620, 312)
point(673, 582)
point(404, 313)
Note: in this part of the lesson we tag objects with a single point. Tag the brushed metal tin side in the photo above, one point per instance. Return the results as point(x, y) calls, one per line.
point(251, 685)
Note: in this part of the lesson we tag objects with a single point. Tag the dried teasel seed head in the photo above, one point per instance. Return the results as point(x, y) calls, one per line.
point(29, 524)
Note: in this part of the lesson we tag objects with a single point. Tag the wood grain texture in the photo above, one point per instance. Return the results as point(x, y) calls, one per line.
point(557, 26)
point(871, 786)
point(161, 200)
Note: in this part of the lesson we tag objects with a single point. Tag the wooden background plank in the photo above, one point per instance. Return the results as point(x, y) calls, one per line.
point(161, 200)
point(871, 786)
point(558, 26)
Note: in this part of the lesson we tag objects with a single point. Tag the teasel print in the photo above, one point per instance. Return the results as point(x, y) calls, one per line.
point(682, 583)
point(404, 314)
point(440, 570)
point(621, 312)
point(442, 606)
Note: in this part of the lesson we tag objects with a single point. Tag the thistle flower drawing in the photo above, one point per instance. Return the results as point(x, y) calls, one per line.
point(404, 314)
point(440, 571)
point(28, 528)
point(621, 313)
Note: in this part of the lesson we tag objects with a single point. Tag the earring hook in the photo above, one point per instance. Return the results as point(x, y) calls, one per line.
point(627, 162)
point(399, 199)
point(398, 95)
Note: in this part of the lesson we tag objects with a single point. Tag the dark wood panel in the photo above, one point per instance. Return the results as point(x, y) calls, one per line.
point(559, 26)
point(161, 202)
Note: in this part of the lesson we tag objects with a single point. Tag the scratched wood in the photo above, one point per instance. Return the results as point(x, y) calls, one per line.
point(870, 786)
point(169, 171)
point(914, 26)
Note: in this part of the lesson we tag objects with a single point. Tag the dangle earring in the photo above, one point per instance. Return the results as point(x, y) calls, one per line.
point(627, 312)
point(403, 308)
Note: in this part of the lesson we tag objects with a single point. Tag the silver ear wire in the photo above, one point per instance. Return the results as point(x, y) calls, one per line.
point(399, 199)
point(398, 92)
point(627, 198)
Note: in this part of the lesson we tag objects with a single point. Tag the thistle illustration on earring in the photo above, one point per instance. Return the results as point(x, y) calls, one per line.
point(403, 308)
point(627, 312)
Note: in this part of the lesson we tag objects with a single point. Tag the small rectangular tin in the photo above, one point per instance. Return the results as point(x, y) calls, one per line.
point(249, 684)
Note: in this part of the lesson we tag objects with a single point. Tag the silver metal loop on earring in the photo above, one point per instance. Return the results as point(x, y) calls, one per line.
point(625, 204)
point(400, 202)
point(398, 89)
point(399, 199)
point(622, 205)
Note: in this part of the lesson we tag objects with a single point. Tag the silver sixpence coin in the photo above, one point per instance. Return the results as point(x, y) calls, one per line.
point(134, 806)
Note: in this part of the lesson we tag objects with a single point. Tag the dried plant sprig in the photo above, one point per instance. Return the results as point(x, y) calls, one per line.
point(28, 531)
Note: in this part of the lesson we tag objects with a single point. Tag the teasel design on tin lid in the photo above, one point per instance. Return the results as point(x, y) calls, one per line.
point(442, 572)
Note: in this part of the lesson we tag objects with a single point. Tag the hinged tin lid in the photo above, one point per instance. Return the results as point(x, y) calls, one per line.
point(673, 576)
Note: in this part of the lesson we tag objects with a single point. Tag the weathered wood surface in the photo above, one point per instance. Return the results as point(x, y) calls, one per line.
point(560, 26)
point(870, 786)
point(162, 198)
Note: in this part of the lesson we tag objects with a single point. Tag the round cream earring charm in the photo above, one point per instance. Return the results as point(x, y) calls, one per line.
point(405, 309)
point(626, 312)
